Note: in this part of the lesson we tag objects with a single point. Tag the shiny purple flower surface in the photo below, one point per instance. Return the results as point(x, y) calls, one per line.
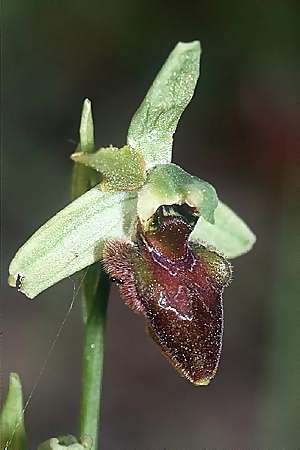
point(177, 286)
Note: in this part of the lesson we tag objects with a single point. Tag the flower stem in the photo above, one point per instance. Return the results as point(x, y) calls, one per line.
point(95, 295)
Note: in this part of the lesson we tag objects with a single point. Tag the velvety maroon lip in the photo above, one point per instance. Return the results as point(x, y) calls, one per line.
point(177, 286)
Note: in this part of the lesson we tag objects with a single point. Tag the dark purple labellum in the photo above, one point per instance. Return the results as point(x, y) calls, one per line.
point(177, 286)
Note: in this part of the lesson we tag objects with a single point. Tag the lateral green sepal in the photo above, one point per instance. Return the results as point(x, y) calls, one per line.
point(72, 240)
point(229, 234)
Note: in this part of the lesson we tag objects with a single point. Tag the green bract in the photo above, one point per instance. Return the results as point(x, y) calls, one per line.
point(74, 238)
point(12, 432)
point(66, 443)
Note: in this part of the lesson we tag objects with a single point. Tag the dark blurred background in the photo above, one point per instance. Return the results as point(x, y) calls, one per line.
point(241, 133)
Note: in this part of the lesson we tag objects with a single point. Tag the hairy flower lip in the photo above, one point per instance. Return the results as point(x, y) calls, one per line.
point(173, 266)
point(172, 261)
point(167, 263)
point(180, 299)
point(203, 381)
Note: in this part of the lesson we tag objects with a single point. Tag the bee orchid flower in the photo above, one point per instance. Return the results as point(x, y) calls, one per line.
point(161, 233)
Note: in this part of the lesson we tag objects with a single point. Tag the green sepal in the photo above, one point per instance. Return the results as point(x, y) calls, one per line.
point(12, 430)
point(66, 442)
point(121, 169)
point(169, 184)
point(72, 239)
point(154, 123)
point(229, 234)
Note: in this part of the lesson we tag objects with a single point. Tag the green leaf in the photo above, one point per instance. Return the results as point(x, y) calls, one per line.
point(12, 431)
point(66, 442)
point(229, 235)
point(121, 169)
point(72, 239)
point(154, 123)
point(169, 184)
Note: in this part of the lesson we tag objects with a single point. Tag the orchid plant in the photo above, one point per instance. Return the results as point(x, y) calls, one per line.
point(140, 220)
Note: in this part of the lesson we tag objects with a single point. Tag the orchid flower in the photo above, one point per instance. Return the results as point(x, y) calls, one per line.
point(162, 234)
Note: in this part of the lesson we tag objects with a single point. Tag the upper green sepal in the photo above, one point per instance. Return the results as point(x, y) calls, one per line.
point(68, 442)
point(229, 234)
point(12, 431)
point(169, 184)
point(121, 169)
point(154, 123)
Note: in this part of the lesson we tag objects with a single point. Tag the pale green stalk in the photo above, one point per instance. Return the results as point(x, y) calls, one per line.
point(95, 293)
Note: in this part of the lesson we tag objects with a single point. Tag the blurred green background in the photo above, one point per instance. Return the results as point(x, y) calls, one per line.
point(241, 133)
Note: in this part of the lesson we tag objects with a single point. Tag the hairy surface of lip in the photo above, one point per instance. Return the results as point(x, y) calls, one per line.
point(177, 286)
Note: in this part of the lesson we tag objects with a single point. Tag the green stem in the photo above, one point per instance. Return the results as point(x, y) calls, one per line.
point(95, 299)
point(95, 293)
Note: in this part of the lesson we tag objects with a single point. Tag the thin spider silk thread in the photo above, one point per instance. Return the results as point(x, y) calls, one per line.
point(45, 363)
